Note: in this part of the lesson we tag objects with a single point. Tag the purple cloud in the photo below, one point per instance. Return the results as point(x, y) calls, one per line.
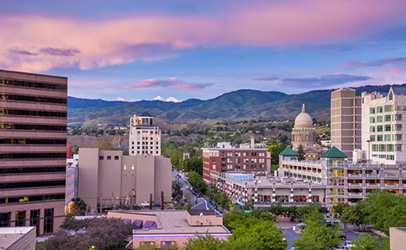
point(267, 78)
point(325, 80)
point(22, 52)
point(59, 52)
point(172, 82)
point(375, 63)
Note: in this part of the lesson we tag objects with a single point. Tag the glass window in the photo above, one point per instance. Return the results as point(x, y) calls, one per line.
point(389, 148)
point(388, 108)
point(379, 128)
point(213, 160)
point(253, 154)
point(125, 166)
point(20, 219)
point(372, 138)
point(372, 120)
point(387, 128)
point(116, 157)
point(48, 220)
point(101, 157)
point(379, 119)
point(379, 138)
point(261, 154)
point(108, 157)
point(372, 110)
point(390, 157)
point(387, 137)
point(34, 219)
point(132, 167)
point(398, 147)
point(398, 117)
point(372, 129)
point(5, 219)
point(398, 127)
point(398, 137)
point(379, 109)
point(374, 147)
point(387, 118)
point(382, 147)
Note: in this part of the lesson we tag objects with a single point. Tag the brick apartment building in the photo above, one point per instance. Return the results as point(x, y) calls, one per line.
point(227, 158)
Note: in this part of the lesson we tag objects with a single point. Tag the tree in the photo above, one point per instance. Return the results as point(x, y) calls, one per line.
point(355, 215)
point(368, 242)
point(79, 207)
point(197, 182)
point(339, 209)
point(292, 211)
point(316, 234)
point(175, 159)
point(188, 197)
point(275, 150)
point(204, 242)
point(276, 209)
point(194, 164)
point(303, 211)
point(300, 152)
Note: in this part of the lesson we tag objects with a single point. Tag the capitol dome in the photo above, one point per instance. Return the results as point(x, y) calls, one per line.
point(303, 120)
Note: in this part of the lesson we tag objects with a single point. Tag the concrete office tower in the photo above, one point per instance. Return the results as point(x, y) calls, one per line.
point(32, 150)
point(383, 126)
point(345, 121)
point(145, 138)
point(109, 178)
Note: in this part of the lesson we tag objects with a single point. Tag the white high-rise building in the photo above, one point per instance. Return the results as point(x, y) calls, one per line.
point(145, 138)
point(383, 126)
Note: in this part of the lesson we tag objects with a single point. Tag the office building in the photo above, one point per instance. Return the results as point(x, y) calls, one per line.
point(108, 179)
point(383, 126)
point(32, 150)
point(71, 190)
point(244, 158)
point(145, 138)
point(17, 238)
point(345, 121)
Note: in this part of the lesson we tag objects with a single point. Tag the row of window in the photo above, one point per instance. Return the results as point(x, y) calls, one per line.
point(31, 127)
point(31, 141)
point(244, 154)
point(32, 184)
point(31, 112)
point(387, 157)
point(39, 85)
point(125, 167)
point(20, 219)
point(32, 155)
point(101, 157)
point(146, 147)
point(146, 132)
point(145, 142)
point(385, 137)
point(145, 152)
point(245, 166)
point(238, 160)
point(31, 170)
point(32, 98)
point(386, 147)
point(381, 128)
point(380, 109)
point(386, 118)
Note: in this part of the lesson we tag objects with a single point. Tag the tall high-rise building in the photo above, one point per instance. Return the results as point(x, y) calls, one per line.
point(145, 138)
point(345, 121)
point(32, 150)
point(383, 126)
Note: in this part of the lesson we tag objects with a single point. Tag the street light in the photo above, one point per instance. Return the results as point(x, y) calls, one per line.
point(369, 151)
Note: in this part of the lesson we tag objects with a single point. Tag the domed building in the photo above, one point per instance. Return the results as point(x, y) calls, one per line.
point(303, 133)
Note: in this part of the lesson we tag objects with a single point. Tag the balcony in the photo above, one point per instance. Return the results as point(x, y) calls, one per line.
point(372, 185)
point(354, 184)
point(355, 195)
point(354, 175)
point(372, 176)
point(392, 186)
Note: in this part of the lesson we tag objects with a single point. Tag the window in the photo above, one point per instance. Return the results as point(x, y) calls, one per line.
point(398, 117)
point(382, 147)
point(379, 128)
point(20, 219)
point(398, 127)
point(246, 160)
point(245, 154)
point(101, 157)
point(237, 160)
point(213, 160)
point(132, 152)
point(214, 166)
point(229, 154)
point(48, 220)
point(261, 166)
point(125, 167)
point(374, 148)
point(390, 157)
point(229, 166)
point(390, 96)
point(253, 154)
point(372, 120)
point(261, 154)
point(5, 219)
point(398, 147)
point(108, 157)
point(387, 137)
point(372, 138)
point(261, 160)
point(253, 166)
point(245, 166)
point(398, 137)
point(133, 167)
point(388, 108)
point(372, 110)
point(379, 138)
point(379, 109)
point(254, 160)
point(379, 119)
point(387, 118)
point(389, 148)
point(237, 154)
point(229, 160)
point(387, 128)
point(34, 219)
point(372, 129)
point(115, 157)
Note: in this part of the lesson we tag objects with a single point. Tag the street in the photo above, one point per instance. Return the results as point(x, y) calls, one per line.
point(179, 177)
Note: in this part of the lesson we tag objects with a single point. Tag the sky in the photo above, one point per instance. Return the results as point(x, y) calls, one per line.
point(174, 50)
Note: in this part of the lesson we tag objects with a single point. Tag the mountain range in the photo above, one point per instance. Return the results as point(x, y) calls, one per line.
point(242, 104)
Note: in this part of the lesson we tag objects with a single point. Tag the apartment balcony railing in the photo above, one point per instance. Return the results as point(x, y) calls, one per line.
point(354, 175)
point(391, 185)
point(354, 184)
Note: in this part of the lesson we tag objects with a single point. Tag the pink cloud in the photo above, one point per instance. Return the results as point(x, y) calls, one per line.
point(172, 82)
point(39, 43)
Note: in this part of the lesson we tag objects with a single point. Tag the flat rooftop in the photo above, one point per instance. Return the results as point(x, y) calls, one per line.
point(173, 221)
point(9, 235)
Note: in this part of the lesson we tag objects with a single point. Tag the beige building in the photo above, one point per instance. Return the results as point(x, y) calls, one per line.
point(172, 228)
point(17, 238)
point(345, 121)
point(303, 133)
point(397, 237)
point(32, 150)
point(145, 138)
point(109, 178)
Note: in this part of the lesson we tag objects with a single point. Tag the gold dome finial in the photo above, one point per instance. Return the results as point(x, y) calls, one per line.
point(303, 108)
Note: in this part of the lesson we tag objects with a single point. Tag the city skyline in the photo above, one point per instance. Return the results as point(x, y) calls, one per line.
point(135, 50)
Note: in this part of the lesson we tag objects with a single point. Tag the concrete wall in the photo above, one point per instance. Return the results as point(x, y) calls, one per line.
point(110, 176)
point(397, 238)
point(26, 242)
point(163, 172)
point(205, 220)
point(145, 178)
point(88, 175)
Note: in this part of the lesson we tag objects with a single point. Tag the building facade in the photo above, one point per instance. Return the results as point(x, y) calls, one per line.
point(32, 150)
point(345, 121)
point(383, 126)
point(145, 138)
point(226, 158)
point(71, 189)
point(304, 134)
point(108, 179)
